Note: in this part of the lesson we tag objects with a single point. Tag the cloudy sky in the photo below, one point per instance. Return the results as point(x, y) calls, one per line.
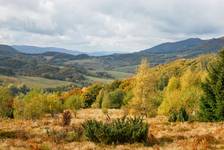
point(108, 25)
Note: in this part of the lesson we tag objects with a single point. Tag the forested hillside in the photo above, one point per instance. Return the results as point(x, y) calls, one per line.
point(160, 54)
point(51, 65)
point(83, 69)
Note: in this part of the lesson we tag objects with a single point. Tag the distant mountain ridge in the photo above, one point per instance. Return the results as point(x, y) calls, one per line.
point(39, 50)
point(166, 52)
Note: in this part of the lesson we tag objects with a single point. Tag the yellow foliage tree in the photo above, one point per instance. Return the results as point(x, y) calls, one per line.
point(144, 90)
point(184, 91)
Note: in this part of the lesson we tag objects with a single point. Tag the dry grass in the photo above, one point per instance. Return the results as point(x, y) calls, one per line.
point(21, 134)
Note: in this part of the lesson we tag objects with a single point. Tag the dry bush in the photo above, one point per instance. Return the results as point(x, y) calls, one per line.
point(67, 116)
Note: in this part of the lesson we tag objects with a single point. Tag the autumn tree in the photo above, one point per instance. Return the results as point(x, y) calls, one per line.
point(182, 92)
point(144, 101)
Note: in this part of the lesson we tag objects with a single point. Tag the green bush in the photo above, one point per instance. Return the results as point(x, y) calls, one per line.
point(6, 102)
point(181, 115)
point(52, 104)
point(89, 96)
point(73, 102)
point(125, 130)
point(113, 99)
point(116, 98)
point(99, 99)
point(172, 117)
point(35, 104)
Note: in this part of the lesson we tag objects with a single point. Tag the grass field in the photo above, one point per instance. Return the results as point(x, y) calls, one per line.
point(128, 69)
point(96, 79)
point(38, 82)
point(28, 134)
point(119, 74)
point(34, 82)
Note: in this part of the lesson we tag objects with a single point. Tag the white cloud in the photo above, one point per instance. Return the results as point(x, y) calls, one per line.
point(116, 25)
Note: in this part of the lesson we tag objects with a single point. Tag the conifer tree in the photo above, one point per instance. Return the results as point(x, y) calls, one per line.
point(212, 103)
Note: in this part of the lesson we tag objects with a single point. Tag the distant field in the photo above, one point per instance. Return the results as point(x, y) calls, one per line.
point(38, 82)
point(34, 82)
point(95, 79)
point(127, 69)
point(119, 74)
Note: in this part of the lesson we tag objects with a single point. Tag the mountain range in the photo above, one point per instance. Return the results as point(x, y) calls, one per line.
point(62, 64)
point(38, 50)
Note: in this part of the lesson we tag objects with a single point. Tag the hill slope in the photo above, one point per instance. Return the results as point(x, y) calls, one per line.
point(160, 54)
point(51, 65)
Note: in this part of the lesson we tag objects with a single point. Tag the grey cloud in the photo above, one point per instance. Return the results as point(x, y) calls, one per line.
point(108, 24)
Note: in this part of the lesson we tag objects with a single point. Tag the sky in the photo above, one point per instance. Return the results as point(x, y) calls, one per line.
point(108, 25)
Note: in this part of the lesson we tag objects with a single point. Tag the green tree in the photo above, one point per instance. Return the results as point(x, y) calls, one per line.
point(212, 102)
point(89, 96)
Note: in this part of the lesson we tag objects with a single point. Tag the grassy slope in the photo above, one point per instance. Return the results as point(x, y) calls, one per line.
point(34, 82)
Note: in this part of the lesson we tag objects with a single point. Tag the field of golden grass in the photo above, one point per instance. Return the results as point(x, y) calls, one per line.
point(27, 134)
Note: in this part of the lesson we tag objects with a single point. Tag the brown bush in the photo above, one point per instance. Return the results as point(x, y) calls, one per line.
point(67, 116)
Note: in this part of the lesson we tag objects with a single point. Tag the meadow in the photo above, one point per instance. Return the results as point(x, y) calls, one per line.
point(34, 82)
point(28, 134)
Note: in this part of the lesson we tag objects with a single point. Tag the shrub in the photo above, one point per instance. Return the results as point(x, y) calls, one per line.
point(89, 96)
point(6, 102)
point(125, 130)
point(99, 99)
point(67, 116)
point(52, 104)
point(30, 106)
point(73, 102)
point(113, 99)
point(116, 98)
point(106, 100)
point(35, 104)
point(181, 115)
point(172, 117)
point(127, 98)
